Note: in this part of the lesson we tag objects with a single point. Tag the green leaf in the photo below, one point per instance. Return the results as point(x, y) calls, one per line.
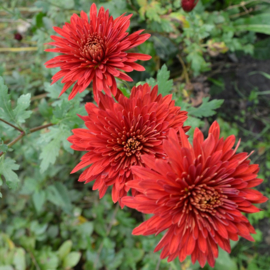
point(266, 75)
point(51, 143)
point(5, 105)
point(19, 114)
point(164, 47)
point(7, 168)
point(224, 262)
point(19, 259)
point(261, 49)
point(47, 260)
point(20, 111)
point(206, 109)
point(71, 260)
point(39, 199)
point(258, 23)
point(58, 195)
point(86, 228)
point(164, 84)
point(64, 249)
point(258, 28)
point(116, 261)
point(6, 267)
point(29, 186)
point(3, 148)
point(198, 64)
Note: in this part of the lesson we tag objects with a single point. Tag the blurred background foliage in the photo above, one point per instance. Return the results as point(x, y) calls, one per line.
point(216, 62)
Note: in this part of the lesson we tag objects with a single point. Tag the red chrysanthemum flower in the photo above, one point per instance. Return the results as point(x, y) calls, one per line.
point(189, 5)
point(198, 194)
point(95, 51)
point(118, 134)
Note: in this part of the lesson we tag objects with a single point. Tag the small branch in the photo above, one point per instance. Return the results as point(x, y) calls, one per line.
point(158, 264)
point(39, 128)
point(32, 130)
point(39, 97)
point(184, 69)
point(34, 260)
point(243, 4)
point(12, 125)
point(15, 140)
point(247, 11)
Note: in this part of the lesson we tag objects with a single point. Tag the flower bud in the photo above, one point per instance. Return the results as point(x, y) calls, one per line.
point(18, 36)
point(189, 5)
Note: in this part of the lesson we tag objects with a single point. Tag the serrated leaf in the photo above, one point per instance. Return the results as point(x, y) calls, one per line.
point(164, 84)
point(20, 111)
point(206, 109)
point(51, 143)
point(71, 260)
point(5, 105)
point(53, 90)
point(19, 114)
point(64, 249)
point(7, 168)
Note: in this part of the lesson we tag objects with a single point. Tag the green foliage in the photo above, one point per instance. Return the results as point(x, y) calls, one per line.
point(53, 222)
point(206, 109)
point(19, 113)
point(51, 143)
point(7, 168)
point(164, 84)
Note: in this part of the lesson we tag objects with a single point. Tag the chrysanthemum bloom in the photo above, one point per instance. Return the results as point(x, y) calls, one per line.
point(189, 5)
point(95, 51)
point(118, 134)
point(197, 195)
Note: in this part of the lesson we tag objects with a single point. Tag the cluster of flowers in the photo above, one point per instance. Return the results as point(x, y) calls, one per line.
point(139, 144)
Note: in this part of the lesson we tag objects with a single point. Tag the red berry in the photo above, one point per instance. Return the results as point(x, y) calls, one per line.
point(189, 5)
